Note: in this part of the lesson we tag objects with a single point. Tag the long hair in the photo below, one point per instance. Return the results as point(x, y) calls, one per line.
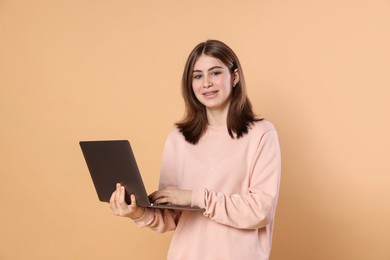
point(240, 115)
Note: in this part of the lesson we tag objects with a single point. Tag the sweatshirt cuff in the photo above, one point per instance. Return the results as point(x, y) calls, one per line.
point(146, 218)
point(198, 198)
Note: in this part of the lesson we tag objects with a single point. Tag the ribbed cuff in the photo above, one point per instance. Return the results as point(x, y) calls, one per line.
point(146, 218)
point(198, 198)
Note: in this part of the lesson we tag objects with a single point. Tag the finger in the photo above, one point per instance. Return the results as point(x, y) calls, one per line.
point(162, 200)
point(113, 204)
point(117, 196)
point(151, 195)
point(158, 194)
point(117, 191)
point(133, 202)
point(112, 198)
point(122, 203)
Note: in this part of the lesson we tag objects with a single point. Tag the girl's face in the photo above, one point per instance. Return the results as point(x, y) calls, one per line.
point(212, 83)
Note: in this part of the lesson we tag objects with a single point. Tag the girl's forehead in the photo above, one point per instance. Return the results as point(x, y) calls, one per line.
point(205, 62)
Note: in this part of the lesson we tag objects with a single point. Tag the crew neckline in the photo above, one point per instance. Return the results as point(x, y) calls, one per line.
point(217, 127)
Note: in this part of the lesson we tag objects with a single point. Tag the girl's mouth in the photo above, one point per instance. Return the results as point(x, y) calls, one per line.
point(210, 93)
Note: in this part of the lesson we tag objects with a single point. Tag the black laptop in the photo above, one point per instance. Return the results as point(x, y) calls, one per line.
point(112, 162)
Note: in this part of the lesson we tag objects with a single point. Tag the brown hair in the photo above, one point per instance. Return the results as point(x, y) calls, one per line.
point(240, 115)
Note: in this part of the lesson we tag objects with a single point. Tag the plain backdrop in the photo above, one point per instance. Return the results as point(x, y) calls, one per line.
point(83, 70)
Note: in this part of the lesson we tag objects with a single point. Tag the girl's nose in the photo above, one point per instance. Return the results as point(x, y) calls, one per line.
point(207, 83)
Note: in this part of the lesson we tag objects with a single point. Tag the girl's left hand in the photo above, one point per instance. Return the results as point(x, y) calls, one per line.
point(172, 195)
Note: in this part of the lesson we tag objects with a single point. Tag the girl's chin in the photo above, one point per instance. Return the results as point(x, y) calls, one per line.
point(216, 106)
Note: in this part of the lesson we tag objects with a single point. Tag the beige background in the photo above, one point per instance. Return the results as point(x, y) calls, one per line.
point(76, 70)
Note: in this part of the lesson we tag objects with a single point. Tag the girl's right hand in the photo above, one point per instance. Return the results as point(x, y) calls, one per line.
point(119, 206)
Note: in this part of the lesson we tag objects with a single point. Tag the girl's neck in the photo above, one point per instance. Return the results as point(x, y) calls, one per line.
point(217, 117)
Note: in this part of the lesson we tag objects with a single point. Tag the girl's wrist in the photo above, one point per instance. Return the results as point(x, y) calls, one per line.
point(139, 214)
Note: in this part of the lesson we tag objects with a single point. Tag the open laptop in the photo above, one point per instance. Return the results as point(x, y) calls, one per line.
point(112, 162)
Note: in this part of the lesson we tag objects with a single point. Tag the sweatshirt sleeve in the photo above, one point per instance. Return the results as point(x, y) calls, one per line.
point(256, 207)
point(163, 220)
point(159, 220)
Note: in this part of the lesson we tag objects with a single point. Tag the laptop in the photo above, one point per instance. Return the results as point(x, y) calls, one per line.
point(113, 161)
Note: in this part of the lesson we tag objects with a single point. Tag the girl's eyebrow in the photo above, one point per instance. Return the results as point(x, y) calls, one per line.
point(214, 67)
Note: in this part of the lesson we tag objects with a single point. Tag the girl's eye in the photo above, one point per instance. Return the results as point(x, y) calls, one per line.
point(198, 76)
point(216, 73)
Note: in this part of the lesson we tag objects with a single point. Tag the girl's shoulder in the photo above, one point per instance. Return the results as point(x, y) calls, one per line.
point(262, 127)
point(175, 135)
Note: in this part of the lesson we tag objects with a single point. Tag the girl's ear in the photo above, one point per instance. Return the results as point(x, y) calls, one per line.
point(236, 77)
